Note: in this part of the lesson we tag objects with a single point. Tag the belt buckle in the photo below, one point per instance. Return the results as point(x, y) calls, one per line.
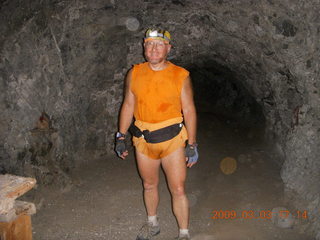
point(145, 134)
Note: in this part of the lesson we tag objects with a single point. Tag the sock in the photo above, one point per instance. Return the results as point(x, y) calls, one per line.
point(153, 220)
point(184, 232)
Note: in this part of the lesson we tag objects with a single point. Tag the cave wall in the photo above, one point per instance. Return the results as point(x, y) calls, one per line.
point(69, 59)
point(61, 58)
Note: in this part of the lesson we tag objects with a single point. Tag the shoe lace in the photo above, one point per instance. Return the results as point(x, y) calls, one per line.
point(146, 230)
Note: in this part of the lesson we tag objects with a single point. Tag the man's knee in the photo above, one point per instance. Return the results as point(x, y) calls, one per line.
point(178, 191)
point(150, 186)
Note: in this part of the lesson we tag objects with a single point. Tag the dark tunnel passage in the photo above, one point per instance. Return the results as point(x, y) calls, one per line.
point(219, 91)
point(255, 72)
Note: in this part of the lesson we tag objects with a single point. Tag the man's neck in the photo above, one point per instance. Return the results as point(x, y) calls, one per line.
point(158, 66)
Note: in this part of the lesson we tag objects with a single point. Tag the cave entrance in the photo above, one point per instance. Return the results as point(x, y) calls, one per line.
point(220, 91)
point(227, 110)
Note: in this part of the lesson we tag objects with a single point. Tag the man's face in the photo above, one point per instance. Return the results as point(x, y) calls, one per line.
point(156, 51)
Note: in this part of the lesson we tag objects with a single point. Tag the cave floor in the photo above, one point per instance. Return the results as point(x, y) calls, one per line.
point(105, 200)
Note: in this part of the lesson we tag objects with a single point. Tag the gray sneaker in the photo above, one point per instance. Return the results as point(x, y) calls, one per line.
point(148, 231)
point(185, 237)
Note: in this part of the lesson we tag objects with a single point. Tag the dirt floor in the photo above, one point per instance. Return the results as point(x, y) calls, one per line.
point(105, 201)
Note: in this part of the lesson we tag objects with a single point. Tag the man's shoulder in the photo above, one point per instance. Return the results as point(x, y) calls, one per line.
point(138, 65)
point(138, 68)
point(179, 68)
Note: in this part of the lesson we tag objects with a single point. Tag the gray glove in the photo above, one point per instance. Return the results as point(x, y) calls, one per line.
point(120, 146)
point(191, 152)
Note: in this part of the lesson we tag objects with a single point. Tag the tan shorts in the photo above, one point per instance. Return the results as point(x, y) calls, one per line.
point(159, 150)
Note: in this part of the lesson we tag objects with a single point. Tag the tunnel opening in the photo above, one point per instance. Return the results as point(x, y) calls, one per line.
point(220, 91)
point(221, 95)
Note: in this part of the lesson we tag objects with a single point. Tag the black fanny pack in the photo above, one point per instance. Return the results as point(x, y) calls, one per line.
point(157, 136)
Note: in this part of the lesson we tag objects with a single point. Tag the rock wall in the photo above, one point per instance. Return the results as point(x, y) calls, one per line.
point(69, 59)
point(64, 59)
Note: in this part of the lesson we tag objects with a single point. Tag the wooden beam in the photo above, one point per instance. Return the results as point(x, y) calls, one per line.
point(13, 186)
point(19, 229)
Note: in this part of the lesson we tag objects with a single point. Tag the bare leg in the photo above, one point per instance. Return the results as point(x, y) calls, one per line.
point(149, 172)
point(175, 169)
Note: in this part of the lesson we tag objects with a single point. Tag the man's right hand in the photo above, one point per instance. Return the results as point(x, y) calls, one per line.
point(121, 147)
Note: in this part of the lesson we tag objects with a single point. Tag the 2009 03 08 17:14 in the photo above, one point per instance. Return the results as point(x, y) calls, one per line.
point(251, 214)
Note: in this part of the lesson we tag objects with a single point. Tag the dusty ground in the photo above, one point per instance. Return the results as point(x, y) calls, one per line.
point(105, 201)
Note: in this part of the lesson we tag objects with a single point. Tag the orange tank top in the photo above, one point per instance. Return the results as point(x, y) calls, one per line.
point(157, 93)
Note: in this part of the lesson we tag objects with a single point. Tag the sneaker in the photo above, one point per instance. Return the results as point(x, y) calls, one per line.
point(185, 237)
point(148, 231)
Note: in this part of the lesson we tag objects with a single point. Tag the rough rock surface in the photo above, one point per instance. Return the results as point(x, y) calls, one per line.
point(69, 59)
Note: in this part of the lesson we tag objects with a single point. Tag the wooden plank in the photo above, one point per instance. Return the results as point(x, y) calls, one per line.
point(14, 186)
point(8, 216)
point(6, 205)
point(19, 229)
point(25, 208)
point(19, 208)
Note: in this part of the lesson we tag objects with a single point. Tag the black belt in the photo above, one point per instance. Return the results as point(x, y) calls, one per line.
point(159, 135)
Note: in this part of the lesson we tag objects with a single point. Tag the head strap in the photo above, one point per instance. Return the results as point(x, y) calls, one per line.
point(158, 34)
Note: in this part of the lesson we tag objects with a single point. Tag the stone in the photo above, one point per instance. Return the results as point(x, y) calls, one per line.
point(286, 28)
point(282, 218)
point(204, 237)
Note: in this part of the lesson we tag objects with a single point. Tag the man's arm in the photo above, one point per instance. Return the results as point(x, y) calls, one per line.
point(127, 108)
point(190, 119)
point(189, 110)
point(125, 118)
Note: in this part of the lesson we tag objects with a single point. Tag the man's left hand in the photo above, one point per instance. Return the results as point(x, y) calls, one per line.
point(192, 155)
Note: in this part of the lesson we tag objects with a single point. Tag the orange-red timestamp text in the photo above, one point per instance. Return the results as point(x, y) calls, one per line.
point(262, 214)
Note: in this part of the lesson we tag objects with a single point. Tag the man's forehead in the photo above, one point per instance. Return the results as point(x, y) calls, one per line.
point(155, 40)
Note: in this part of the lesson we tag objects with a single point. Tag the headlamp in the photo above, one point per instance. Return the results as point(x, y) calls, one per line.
point(158, 34)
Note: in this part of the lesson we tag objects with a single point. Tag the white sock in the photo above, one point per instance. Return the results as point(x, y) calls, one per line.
point(184, 232)
point(153, 220)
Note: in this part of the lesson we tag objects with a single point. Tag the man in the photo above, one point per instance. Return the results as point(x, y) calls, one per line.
point(158, 94)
